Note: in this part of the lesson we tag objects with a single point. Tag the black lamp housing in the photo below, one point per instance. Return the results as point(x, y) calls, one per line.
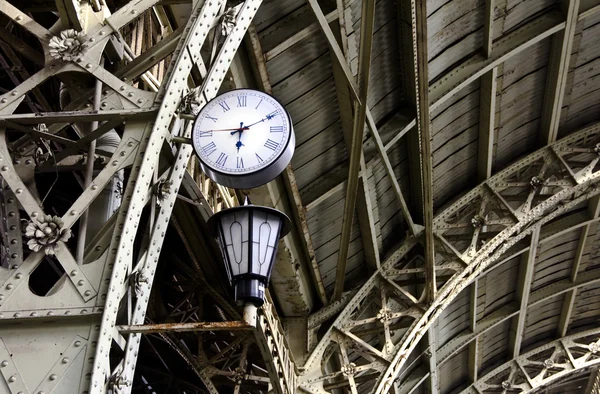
point(248, 236)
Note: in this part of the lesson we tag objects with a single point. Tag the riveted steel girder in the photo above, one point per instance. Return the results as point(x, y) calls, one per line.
point(543, 365)
point(113, 286)
point(467, 248)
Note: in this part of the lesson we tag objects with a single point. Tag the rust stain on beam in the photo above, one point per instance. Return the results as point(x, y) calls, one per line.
point(184, 327)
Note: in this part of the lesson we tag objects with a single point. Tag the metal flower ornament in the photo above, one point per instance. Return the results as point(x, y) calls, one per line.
point(67, 46)
point(46, 234)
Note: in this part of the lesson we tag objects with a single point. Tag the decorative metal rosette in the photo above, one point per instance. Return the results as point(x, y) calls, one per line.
point(46, 233)
point(67, 46)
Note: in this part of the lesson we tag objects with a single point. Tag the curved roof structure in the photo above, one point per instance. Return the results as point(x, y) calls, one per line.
point(444, 193)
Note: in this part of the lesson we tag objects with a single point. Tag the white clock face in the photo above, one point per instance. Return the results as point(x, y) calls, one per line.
point(241, 132)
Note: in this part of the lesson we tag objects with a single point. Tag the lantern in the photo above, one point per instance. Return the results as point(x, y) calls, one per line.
point(248, 236)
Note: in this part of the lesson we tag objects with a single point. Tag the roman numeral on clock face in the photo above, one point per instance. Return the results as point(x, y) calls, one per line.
point(224, 105)
point(211, 118)
point(209, 149)
point(222, 159)
point(205, 134)
point(242, 101)
point(276, 129)
point(240, 162)
point(260, 160)
point(271, 144)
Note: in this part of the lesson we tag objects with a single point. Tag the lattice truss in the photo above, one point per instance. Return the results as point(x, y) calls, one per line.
point(543, 365)
point(371, 340)
point(69, 331)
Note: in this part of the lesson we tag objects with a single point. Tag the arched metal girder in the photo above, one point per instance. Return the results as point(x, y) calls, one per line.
point(543, 365)
point(459, 343)
point(373, 337)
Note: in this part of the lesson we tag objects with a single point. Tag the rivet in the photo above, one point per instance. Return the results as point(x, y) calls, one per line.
point(73, 212)
point(50, 313)
point(94, 187)
point(77, 343)
point(12, 379)
point(19, 275)
point(19, 191)
point(87, 293)
point(4, 168)
point(9, 286)
point(4, 363)
point(74, 273)
point(33, 314)
point(65, 360)
point(53, 376)
point(80, 283)
point(88, 65)
point(67, 312)
point(17, 314)
point(34, 214)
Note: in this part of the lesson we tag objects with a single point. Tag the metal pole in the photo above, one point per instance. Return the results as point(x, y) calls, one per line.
point(250, 314)
point(89, 174)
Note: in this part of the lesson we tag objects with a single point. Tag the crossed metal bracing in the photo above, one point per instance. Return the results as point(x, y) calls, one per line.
point(73, 324)
point(375, 341)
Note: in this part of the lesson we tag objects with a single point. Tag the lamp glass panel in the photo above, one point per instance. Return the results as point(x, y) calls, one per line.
point(223, 248)
point(235, 234)
point(265, 234)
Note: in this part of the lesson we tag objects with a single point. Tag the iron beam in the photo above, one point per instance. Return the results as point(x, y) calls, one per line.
point(360, 112)
point(522, 293)
point(556, 80)
point(184, 327)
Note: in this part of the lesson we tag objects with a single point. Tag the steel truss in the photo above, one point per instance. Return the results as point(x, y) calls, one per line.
point(372, 339)
point(542, 366)
point(72, 334)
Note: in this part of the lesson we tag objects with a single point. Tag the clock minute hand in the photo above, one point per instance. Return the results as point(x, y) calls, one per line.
point(268, 117)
